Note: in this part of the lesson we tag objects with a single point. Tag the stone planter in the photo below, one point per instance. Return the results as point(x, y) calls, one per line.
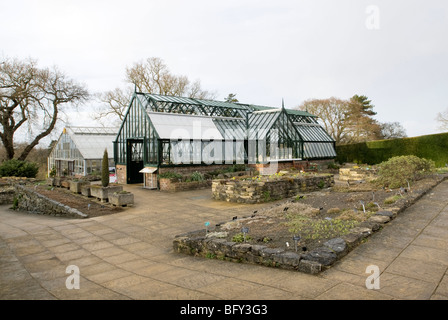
point(85, 190)
point(65, 183)
point(75, 186)
point(102, 193)
point(121, 199)
point(57, 182)
point(51, 182)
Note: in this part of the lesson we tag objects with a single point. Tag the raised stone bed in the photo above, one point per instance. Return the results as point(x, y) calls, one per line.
point(30, 200)
point(213, 245)
point(256, 190)
point(173, 185)
point(6, 194)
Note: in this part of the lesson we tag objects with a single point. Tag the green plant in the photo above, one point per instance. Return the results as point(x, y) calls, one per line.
point(267, 196)
point(52, 172)
point(266, 239)
point(18, 168)
point(170, 175)
point(398, 171)
point(333, 165)
point(105, 169)
point(321, 184)
point(392, 199)
point(197, 176)
point(240, 237)
point(15, 203)
point(210, 255)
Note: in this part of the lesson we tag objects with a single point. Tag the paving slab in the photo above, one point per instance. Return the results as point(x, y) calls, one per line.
point(129, 255)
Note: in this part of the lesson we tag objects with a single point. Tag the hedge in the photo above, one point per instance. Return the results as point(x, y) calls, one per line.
point(433, 147)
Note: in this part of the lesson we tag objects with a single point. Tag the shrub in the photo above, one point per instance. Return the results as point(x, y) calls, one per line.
point(398, 171)
point(18, 168)
point(52, 172)
point(196, 176)
point(240, 238)
point(170, 175)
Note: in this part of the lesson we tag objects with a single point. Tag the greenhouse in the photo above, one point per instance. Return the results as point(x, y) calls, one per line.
point(176, 132)
point(79, 151)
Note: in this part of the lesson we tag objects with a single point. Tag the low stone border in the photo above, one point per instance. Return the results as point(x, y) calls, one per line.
point(264, 190)
point(7, 195)
point(30, 200)
point(173, 185)
point(211, 246)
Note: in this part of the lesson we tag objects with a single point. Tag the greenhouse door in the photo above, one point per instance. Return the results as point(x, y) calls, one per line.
point(134, 161)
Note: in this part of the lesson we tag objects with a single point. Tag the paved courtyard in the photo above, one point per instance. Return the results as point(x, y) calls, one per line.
point(129, 255)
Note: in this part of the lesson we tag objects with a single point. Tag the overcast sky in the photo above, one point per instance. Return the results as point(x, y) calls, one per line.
point(394, 52)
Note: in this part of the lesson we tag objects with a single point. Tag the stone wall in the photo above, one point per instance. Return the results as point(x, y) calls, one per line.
point(7, 190)
point(254, 191)
point(268, 168)
point(172, 185)
point(356, 174)
point(6, 195)
point(30, 200)
point(189, 169)
point(211, 245)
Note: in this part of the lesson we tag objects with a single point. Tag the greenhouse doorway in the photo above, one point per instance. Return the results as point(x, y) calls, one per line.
point(134, 161)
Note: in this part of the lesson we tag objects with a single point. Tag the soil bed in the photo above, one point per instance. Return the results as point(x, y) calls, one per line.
point(318, 216)
point(77, 201)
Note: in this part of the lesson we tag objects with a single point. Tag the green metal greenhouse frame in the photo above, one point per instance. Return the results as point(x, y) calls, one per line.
point(248, 131)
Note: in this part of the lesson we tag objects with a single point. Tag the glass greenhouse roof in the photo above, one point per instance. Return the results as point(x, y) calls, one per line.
point(181, 126)
point(92, 141)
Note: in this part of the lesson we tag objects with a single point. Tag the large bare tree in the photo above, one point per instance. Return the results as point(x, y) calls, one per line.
point(442, 119)
point(345, 120)
point(393, 130)
point(333, 114)
point(32, 98)
point(150, 76)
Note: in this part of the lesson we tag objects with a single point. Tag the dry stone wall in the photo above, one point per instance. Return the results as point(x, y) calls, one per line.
point(254, 191)
point(29, 200)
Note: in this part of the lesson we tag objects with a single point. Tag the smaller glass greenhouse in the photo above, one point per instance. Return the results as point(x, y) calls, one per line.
point(79, 150)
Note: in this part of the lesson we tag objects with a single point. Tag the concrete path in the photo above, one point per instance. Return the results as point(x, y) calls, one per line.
point(129, 256)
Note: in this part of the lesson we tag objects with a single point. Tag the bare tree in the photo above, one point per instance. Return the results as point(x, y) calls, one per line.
point(333, 114)
point(150, 76)
point(392, 130)
point(33, 96)
point(346, 121)
point(442, 118)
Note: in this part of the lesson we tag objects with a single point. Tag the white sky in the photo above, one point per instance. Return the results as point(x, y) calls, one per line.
point(261, 50)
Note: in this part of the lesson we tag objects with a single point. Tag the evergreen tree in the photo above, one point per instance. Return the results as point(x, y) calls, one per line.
point(105, 169)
